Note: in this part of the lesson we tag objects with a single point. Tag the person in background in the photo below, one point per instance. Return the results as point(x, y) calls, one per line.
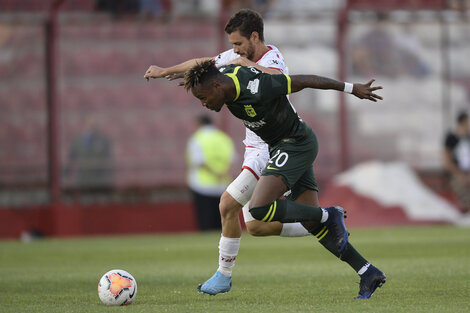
point(209, 154)
point(457, 160)
point(90, 160)
point(155, 8)
point(118, 7)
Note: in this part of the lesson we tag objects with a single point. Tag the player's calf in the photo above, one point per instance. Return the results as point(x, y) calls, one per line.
point(259, 229)
point(286, 211)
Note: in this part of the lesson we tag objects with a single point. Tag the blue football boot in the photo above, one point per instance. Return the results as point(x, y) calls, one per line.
point(335, 224)
point(372, 279)
point(219, 283)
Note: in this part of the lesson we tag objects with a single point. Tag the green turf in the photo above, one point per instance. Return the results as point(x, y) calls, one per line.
point(428, 270)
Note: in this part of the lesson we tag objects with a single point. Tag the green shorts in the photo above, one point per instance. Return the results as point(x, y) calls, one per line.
point(293, 160)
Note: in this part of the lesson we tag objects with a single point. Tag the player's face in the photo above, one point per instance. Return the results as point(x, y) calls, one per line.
point(241, 45)
point(210, 96)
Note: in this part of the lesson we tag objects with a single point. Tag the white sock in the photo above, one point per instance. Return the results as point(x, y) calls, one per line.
point(363, 269)
point(293, 230)
point(324, 216)
point(228, 251)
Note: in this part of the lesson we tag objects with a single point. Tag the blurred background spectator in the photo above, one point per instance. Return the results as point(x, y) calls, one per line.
point(210, 153)
point(147, 8)
point(457, 160)
point(90, 163)
point(156, 8)
point(118, 7)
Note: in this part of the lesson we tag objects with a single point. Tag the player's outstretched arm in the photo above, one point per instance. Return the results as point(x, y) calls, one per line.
point(362, 91)
point(155, 71)
point(243, 61)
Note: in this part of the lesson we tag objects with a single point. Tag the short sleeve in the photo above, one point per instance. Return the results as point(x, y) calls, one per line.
point(274, 86)
point(225, 57)
point(273, 59)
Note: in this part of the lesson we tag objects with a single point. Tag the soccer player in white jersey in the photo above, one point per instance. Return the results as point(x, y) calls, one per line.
point(245, 33)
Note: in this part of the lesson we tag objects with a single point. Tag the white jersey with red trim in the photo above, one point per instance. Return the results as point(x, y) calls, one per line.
point(271, 59)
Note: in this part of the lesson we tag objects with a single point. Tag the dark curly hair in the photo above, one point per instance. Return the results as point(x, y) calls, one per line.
point(246, 21)
point(200, 73)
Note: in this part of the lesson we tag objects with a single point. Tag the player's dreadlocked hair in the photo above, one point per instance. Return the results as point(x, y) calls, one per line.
point(200, 73)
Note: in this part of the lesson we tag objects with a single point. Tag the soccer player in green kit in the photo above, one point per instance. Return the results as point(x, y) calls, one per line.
point(258, 99)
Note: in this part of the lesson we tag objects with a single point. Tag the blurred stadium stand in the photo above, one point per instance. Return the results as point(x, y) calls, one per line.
point(102, 58)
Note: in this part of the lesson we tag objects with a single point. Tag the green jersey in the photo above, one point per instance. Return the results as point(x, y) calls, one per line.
point(262, 105)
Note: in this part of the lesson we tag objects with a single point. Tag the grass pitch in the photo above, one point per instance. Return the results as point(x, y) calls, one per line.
point(428, 270)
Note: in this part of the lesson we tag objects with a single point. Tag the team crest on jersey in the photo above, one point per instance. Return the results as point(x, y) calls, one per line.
point(249, 110)
point(253, 86)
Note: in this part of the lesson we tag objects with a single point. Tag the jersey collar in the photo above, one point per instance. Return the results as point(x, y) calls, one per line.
point(234, 77)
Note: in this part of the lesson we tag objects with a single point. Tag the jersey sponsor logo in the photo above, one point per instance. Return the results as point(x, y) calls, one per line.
point(269, 167)
point(249, 110)
point(253, 86)
point(254, 125)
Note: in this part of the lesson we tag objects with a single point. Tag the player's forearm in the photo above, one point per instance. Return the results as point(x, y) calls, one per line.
point(267, 69)
point(299, 82)
point(361, 91)
point(246, 62)
point(183, 67)
point(263, 69)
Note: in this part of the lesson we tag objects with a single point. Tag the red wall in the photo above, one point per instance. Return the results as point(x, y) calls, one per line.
point(76, 220)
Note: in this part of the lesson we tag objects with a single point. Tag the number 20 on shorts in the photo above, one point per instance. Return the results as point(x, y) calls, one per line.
point(279, 159)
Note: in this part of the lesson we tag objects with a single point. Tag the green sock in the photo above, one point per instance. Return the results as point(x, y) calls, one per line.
point(353, 258)
point(349, 255)
point(287, 211)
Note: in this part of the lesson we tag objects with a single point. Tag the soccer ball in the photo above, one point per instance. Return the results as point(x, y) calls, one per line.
point(117, 287)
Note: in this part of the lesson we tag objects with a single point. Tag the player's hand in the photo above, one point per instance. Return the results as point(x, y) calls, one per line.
point(154, 72)
point(366, 91)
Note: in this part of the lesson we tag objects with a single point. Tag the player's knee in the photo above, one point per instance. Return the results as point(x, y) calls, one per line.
point(260, 212)
point(228, 206)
